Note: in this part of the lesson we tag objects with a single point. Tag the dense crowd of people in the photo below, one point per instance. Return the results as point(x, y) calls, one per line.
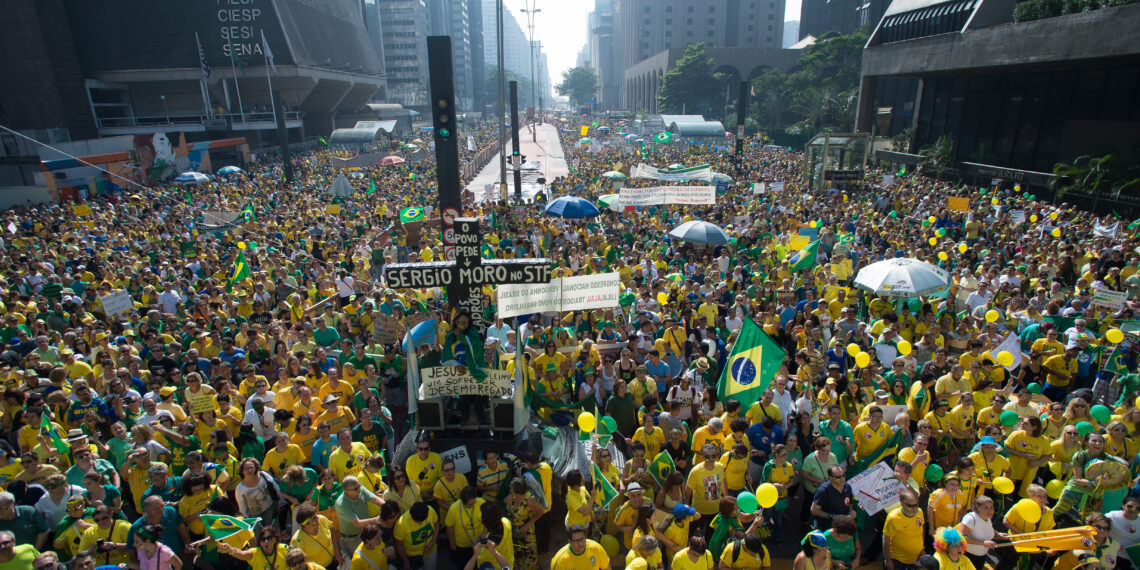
point(255, 378)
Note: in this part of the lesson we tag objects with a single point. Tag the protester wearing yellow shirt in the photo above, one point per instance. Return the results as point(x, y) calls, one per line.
point(282, 455)
point(903, 531)
point(1062, 368)
point(988, 462)
point(192, 504)
point(316, 536)
point(748, 552)
point(579, 502)
point(449, 486)
point(946, 506)
point(581, 553)
point(372, 552)
point(652, 437)
point(764, 408)
point(416, 532)
point(464, 522)
point(735, 462)
point(872, 434)
point(693, 558)
point(712, 433)
point(425, 466)
point(1028, 450)
point(707, 483)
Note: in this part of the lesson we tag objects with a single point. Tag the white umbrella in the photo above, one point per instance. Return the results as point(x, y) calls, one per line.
point(902, 277)
point(700, 232)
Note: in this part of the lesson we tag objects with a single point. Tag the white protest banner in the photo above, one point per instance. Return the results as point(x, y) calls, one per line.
point(776, 186)
point(1105, 298)
point(564, 294)
point(117, 303)
point(740, 221)
point(386, 329)
point(1106, 231)
point(460, 456)
point(759, 187)
point(1011, 345)
point(443, 381)
point(590, 291)
point(891, 411)
point(667, 195)
point(888, 181)
point(876, 488)
point(1017, 216)
point(703, 172)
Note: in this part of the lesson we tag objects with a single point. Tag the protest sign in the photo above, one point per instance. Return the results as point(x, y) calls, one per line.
point(387, 329)
point(332, 209)
point(888, 181)
point(559, 295)
point(445, 381)
point(958, 204)
point(667, 195)
point(1017, 216)
point(876, 488)
point(703, 172)
point(776, 186)
point(117, 303)
point(81, 210)
point(759, 187)
point(459, 456)
point(1012, 346)
point(740, 221)
point(1112, 299)
point(201, 402)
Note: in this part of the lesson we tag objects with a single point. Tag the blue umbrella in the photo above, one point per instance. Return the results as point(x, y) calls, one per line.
point(191, 177)
point(572, 207)
point(700, 232)
point(421, 334)
point(229, 170)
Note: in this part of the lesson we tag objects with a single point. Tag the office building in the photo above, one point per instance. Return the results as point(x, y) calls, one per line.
point(405, 25)
point(817, 17)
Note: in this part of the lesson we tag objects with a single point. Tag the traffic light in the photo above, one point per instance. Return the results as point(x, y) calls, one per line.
point(444, 117)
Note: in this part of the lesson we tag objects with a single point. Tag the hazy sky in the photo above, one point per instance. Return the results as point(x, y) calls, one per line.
point(561, 27)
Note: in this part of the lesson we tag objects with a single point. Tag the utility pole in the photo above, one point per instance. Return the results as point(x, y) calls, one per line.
point(502, 116)
point(516, 158)
point(531, 12)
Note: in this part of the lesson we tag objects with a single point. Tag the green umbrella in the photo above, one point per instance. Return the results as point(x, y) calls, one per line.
point(615, 175)
point(675, 277)
point(609, 201)
point(718, 177)
point(410, 146)
point(585, 140)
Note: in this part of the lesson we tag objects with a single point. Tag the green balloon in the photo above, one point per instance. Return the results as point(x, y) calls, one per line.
point(934, 473)
point(1008, 418)
point(926, 223)
point(982, 191)
point(894, 214)
point(747, 502)
point(915, 305)
point(610, 424)
point(1084, 428)
point(1101, 413)
point(941, 232)
point(1034, 388)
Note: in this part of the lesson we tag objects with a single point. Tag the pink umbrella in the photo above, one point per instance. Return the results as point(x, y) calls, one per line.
point(391, 161)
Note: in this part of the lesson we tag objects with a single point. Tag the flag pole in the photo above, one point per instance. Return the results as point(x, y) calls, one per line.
point(205, 73)
point(268, 63)
point(237, 86)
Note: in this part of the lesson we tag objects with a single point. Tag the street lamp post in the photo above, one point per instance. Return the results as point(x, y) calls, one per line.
point(501, 117)
point(531, 12)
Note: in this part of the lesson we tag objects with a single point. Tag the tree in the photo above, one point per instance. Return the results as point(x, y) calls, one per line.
point(1109, 174)
point(579, 84)
point(691, 87)
point(901, 141)
point(938, 155)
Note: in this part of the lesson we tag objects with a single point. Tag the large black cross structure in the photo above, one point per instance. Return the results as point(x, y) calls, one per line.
point(465, 277)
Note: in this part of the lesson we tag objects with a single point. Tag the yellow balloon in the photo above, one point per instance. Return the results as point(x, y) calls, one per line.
point(932, 241)
point(963, 247)
point(241, 245)
point(814, 224)
point(942, 256)
point(663, 298)
point(1054, 215)
point(932, 219)
point(992, 316)
point(587, 421)
point(1056, 232)
point(1005, 358)
point(1033, 218)
point(994, 201)
point(853, 349)
point(610, 545)
point(1137, 402)
point(1004, 485)
point(1115, 336)
point(1029, 510)
point(767, 495)
point(862, 360)
point(904, 347)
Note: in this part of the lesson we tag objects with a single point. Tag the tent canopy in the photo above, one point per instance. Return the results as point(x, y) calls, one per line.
point(364, 133)
point(340, 187)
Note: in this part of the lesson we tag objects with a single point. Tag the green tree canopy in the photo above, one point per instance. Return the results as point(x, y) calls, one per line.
point(491, 84)
point(579, 84)
point(691, 87)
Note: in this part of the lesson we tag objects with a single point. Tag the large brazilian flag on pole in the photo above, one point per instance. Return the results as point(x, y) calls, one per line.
point(753, 363)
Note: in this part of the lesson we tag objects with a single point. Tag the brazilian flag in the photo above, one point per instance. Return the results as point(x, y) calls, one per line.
point(247, 214)
point(754, 361)
point(663, 137)
point(240, 272)
point(233, 531)
point(804, 258)
point(412, 214)
point(662, 466)
point(607, 488)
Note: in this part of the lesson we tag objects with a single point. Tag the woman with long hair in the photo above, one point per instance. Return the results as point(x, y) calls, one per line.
point(523, 511)
point(1078, 411)
point(977, 530)
point(1028, 449)
point(256, 491)
point(267, 554)
point(814, 553)
point(151, 553)
point(1082, 494)
point(673, 492)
